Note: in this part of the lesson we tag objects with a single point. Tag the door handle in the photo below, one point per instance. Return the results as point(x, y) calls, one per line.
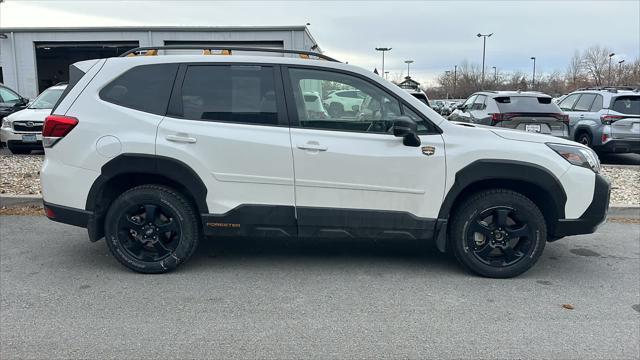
point(312, 147)
point(181, 139)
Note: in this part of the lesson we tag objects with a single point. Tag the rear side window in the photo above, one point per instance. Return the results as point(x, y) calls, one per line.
point(508, 104)
point(145, 88)
point(75, 74)
point(230, 93)
point(584, 103)
point(627, 105)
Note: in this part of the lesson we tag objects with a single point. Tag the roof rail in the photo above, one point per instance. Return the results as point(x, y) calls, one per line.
point(152, 50)
point(612, 89)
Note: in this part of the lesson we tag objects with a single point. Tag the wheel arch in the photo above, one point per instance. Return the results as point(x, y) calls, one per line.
point(583, 128)
point(535, 182)
point(129, 170)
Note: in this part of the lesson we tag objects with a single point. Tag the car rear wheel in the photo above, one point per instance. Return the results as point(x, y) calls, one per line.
point(152, 229)
point(498, 233)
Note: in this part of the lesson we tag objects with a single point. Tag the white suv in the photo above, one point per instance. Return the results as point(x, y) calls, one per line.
point(155, 152)
point(22, 130)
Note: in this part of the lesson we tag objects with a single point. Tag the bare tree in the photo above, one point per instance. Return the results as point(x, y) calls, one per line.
point(595, 62)
point(575, 70)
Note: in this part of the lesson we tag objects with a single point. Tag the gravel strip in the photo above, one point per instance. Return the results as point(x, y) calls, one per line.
point(20, 175)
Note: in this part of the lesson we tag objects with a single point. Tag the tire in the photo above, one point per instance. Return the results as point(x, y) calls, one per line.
point(141, 245)
point(336, 110)
point(498, 248)
point(19, 151)
point(584, 138)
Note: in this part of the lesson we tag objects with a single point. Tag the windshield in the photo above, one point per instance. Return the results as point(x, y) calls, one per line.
point(47, 99)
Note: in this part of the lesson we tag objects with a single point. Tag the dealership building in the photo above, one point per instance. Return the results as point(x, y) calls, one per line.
point(32, 59)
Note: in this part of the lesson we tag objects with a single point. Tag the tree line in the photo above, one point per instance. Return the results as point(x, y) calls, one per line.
point(585, 69)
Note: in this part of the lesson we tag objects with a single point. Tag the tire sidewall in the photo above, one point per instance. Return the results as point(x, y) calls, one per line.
point(525, 209)
point(157, 195)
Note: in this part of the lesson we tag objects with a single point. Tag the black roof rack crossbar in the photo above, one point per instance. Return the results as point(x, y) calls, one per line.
point(230, 48)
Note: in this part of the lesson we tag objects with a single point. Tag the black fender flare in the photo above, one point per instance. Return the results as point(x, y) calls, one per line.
point(501, 170)
point(582, 128)
point(172, 169)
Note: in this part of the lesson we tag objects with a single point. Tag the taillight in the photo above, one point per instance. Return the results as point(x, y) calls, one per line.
point(55, 128)
point(608, 119)
point(605, 138)
point(496, 118)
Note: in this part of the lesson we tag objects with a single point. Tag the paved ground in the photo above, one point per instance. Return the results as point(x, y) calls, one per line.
point(62, 296)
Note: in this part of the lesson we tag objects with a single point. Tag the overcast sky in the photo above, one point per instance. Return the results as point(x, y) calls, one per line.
point(435, 34)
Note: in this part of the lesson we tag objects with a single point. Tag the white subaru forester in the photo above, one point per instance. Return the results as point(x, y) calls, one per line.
point(155, 152)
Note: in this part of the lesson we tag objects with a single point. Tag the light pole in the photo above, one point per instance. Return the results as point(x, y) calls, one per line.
point(455, 78)
point(495, 75)
point(383, 51)
point(620, 68)
point(447, 73)
point(484, 48)
point(610, 56)
point(533, 79)
point(408, 62)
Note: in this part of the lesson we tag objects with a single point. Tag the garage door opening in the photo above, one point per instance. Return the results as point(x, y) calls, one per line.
point(53, 58)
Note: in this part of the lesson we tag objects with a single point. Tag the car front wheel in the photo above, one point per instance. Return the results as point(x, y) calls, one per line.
point(498, 233)
point(152, 229)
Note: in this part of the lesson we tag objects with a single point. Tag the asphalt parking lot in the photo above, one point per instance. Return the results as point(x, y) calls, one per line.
point(65, 297)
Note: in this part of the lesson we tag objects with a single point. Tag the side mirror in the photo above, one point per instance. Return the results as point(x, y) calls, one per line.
point(403, 125)
point(406, 128)
point(460, 107)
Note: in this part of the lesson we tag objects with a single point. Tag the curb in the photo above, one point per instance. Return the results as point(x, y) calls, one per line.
point(624, 211)
point(20, 200)
point(615, 210)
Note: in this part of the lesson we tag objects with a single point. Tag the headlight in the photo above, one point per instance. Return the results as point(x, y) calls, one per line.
point(577, 155)
point(6, 123)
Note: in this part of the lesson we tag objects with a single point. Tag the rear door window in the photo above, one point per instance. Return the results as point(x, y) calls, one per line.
point(230, 93)
point(478, 104)
point(584, 103)
point(629, 105)
point(527, 104)
point(597, 104)
point(145, 88)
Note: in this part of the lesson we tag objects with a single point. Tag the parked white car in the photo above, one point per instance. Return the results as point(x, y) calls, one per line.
point(313, 104)
point(154, 153)
point(343, 102)
point(21, 131)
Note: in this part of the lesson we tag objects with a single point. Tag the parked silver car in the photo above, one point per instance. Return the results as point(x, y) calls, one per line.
point(522, 110)
point(605, 119)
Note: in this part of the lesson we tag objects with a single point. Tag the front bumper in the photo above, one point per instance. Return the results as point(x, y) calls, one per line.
point(14, 138)
point(595, 214)
point(621, 146)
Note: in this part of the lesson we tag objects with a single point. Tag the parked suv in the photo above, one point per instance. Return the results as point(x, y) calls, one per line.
point(606, 119)
point(22, 130)
point(155, 152)
point(343, 102)
point(527, 111)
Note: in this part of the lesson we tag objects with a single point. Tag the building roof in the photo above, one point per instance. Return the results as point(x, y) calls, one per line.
point(158, 28)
